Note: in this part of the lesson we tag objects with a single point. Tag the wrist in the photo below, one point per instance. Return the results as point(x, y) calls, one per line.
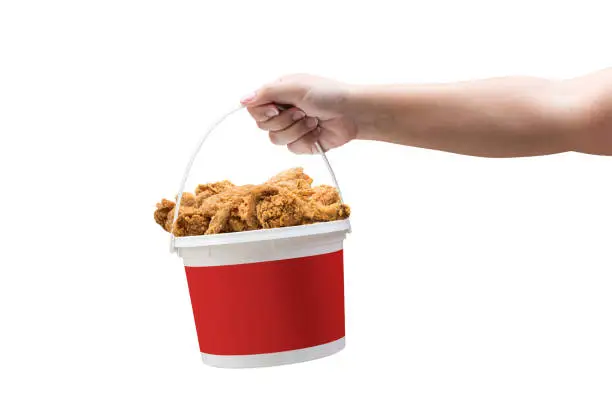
point(368, 108)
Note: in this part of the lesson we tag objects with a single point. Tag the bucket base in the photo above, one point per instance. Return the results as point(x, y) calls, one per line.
point(274, 359)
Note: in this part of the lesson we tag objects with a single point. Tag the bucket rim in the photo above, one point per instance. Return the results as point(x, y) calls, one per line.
point(263, 234)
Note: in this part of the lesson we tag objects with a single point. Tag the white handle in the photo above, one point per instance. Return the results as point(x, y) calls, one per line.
point(197, 151)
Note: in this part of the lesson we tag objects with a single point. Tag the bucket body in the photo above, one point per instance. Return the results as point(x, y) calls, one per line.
point(267, 297)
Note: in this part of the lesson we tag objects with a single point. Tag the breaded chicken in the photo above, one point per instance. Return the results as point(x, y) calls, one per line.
point(287, 199)
point(204, 191)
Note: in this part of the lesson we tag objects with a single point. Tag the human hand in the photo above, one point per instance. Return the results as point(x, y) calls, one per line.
point(299, 110)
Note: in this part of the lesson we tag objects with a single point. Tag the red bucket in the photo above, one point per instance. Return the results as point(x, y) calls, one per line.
point(267, 297)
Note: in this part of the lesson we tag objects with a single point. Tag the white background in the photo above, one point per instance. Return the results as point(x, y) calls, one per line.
point(469, 282)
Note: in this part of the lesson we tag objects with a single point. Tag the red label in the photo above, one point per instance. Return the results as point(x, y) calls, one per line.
point(267, 307)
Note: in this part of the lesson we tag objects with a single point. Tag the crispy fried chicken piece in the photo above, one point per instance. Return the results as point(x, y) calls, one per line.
point(325, 195)
point(190, 221)
point(219, 221)
point(204, 191)
point(316, 212)
point(293, 179)
point(188, 200)
point(163, 213)
point(214, 188)
point(237, 204)
point(235, 224)
point(247, 211)
point(301, 206)
point(284, 209)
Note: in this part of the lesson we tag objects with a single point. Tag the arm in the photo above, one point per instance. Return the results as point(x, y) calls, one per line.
point(502, 117)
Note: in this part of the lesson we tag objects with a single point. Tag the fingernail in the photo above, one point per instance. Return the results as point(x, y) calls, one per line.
point(270, 113)
point(297, 115)
point(248, 98)
point(311, 122)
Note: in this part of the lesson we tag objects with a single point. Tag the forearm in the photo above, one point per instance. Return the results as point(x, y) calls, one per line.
point(504, 117)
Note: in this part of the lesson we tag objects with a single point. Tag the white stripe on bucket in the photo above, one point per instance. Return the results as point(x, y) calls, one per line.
point(274, 359)
point(257, 252)
point(263, 245)
point(263, 235)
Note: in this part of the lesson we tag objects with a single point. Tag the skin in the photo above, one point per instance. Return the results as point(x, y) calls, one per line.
point(498, 117)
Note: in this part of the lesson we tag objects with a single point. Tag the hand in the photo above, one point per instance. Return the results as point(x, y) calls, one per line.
point(299, 110)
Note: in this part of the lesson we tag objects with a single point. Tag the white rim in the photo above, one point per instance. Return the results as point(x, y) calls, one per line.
point(262, 235)
point(274, 359)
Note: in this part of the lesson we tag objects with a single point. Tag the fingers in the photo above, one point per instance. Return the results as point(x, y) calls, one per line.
point(282, 121)
point(291, 127)
point(306, 143)
point(285, 126)
point(294, 132)
point(263, 112)
point(288, 92)
point(283, 92)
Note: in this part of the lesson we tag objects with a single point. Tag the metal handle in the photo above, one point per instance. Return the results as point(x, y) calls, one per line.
point(195, 153)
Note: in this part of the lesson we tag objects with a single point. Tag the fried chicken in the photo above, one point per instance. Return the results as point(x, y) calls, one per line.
point(163, 214)
point(281, 210)
point(287, 199)
point(203, 191)
point(292, 179)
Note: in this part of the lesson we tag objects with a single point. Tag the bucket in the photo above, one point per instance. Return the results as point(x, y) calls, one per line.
point(266, 297)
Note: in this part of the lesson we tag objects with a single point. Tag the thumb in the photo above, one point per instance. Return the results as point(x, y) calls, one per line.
point(277, 92)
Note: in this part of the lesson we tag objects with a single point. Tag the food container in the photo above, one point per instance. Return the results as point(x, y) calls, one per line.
point(266, 297)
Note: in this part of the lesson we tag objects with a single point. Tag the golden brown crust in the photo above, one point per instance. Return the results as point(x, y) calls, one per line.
point(190, 221)
point(325, 195)
point(214, 188)
point(292, 179)
point(205, 191)
point(281, 210)
point(162, 213)
point(188, 200)
point(287, 199)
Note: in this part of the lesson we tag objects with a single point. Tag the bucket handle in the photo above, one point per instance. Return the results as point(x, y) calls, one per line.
point(197, 151)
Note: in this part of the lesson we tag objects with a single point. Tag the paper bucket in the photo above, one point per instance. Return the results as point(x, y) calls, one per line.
point(269, 297)
point(265, 297)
